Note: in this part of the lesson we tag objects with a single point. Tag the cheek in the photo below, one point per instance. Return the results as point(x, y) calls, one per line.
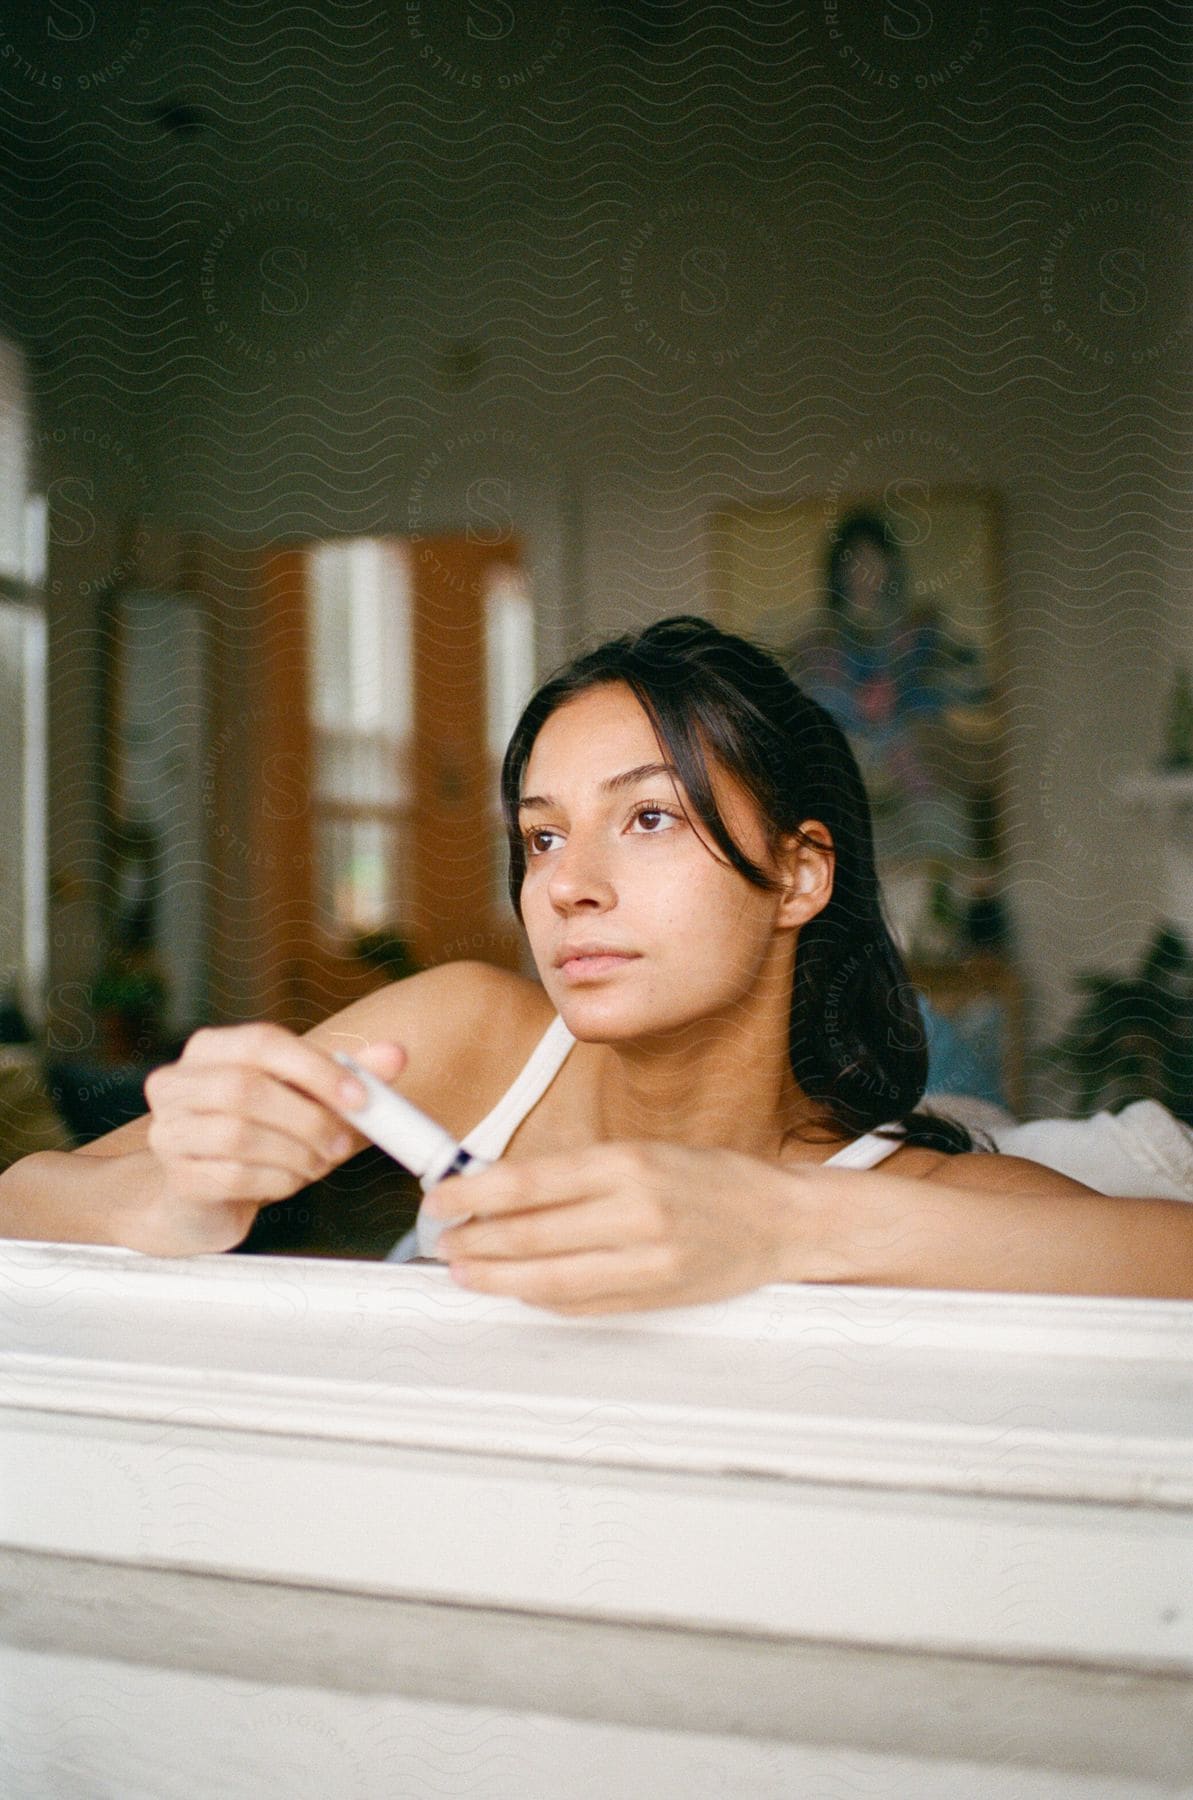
point(534, 909)
point(540, 923)
point(738, 925)
point(709, 935)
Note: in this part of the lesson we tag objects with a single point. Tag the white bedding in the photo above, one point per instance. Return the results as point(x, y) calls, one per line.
point(1141, 1150)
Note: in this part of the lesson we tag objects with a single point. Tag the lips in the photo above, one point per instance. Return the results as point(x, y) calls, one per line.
point(570, 952)
point(579, 960)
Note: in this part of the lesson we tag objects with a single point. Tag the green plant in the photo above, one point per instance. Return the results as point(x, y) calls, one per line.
point(385, 950)
point(127, 990)
point(1132, 1039)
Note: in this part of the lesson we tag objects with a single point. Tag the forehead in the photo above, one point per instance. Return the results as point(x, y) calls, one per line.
point(605, 731)
point(604, 726)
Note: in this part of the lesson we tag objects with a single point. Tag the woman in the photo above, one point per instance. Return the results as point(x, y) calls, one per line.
point(721, 1010)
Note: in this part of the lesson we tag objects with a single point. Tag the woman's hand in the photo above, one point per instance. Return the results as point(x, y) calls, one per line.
point(623, 1226)
point(247, 1115)
point(627, 1226)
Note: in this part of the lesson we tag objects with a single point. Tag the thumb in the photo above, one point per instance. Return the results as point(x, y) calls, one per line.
point(385, 1059)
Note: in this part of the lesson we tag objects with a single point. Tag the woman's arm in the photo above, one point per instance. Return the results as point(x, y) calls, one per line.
point(245, 1117)
point(625, 1226)
point(248, 1116)
point(68, 1198)
point(992, 1223)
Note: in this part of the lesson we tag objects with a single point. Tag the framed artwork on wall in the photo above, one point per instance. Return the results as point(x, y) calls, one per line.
point(887, 609)
point(886, 606)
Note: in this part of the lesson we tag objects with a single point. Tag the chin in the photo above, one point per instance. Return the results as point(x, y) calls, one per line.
point(596, 1018)
point(591, 1023)
point(593, 1015)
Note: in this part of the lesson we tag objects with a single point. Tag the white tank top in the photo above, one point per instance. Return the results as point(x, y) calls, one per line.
point(490, 1138)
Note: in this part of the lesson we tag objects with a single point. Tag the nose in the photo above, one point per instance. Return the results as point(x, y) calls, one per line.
point(580, 878)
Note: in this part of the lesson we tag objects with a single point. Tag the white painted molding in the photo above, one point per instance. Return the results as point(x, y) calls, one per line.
point(993, 1475)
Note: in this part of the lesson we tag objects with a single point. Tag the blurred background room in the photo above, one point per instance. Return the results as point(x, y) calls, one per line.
point(359, 362)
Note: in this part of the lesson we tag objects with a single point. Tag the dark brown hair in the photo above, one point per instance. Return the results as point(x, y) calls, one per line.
point(856, 1040)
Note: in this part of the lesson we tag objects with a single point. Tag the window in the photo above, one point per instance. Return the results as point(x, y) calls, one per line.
point(361, 697)
point(420, 658)
point(14, 473)
point(23, 800)
point(23, 924)
point(509, 682)
point(160, 728)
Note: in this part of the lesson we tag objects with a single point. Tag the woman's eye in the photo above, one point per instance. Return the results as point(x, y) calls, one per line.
point(654, 819)
point(534, 841)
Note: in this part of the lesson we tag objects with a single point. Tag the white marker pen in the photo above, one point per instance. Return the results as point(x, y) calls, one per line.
point(412, 1139)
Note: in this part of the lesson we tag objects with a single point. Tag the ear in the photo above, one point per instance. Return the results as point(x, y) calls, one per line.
point(806, 871)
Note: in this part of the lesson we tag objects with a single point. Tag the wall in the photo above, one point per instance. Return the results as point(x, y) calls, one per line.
point(683, 262)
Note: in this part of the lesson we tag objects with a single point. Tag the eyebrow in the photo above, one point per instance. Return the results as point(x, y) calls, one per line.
point(612, 785)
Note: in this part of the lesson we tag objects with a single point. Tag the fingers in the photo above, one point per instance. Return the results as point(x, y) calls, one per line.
point(596, 1281)
point(249, 1141)
point(547, 1231)
point(279, 1053)
point(385, 1060)
point(251, 1112)
point(215, 1179)
point(621, 1168)
point(616, 1228)
point(215, 1100)
point(265, 1074)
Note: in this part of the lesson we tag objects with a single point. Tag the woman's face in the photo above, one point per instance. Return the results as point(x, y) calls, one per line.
point(634, 925)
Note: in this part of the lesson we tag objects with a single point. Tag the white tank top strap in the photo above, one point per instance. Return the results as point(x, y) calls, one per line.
point(490, 1137)
point(865, 1152)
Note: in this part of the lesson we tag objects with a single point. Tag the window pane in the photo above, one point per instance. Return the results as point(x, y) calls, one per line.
point(161, 730)
point(509, 680)
point(13, 461)
point(509, 654)
point(36, 532)
point(361, 768)
point(362, 718)
point(363, 873)
point(361, 645)
point(23, 801)
point(330, 621)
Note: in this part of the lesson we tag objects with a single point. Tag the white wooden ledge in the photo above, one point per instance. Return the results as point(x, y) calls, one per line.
point(991, 1475)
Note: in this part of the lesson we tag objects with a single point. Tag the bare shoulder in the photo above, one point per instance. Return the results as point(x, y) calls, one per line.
point(453, 997)
point(998, 1174)
point(466, 1027)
